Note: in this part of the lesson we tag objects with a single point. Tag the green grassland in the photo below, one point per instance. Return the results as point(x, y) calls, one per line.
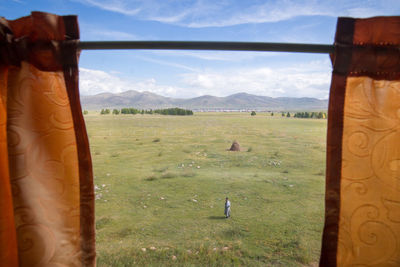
point(161, 183)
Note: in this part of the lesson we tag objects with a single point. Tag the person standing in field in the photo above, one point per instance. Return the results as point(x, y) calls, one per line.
point(227, 208)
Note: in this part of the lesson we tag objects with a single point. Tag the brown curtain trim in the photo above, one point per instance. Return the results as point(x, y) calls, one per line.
point(377, 31)
point(333, 171)
point(38, 39)
point(87, 217)
point(87, 205)
point(341, 60)
point(8, 234)
point(368, 47)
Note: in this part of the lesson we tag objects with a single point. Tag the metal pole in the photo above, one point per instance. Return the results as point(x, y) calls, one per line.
point(195, 45)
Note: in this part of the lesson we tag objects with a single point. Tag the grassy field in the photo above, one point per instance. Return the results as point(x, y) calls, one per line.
point(161, 183)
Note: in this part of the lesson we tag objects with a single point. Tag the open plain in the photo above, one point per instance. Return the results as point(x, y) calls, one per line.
point(161, 182)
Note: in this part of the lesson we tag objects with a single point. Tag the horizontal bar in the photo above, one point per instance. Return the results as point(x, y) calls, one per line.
point(193, 45)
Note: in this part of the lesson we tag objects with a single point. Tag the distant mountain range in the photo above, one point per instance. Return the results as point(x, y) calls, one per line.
point(147, 100)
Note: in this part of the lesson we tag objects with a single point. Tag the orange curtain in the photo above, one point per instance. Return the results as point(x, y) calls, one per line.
point(46, 181)
point(362, 219)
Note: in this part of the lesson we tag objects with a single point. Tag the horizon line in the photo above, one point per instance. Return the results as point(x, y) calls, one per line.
point(242, 92)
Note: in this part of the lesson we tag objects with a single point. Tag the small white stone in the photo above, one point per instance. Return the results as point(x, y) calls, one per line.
point(152, 248)
point(173, 257)
point(225, 248)
point(144, 207)
point(108, 174)
point(290, 185)
point(194, 200)
point(103, 185)
point(198, 167)
point(144, 249)
point(162, 198)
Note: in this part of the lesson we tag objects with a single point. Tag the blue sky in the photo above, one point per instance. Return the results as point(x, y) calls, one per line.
point(194, 73)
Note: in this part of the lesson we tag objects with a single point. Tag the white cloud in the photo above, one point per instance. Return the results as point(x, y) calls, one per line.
point(96, 81)
point(300, 81)
point(93, 32)
point(232, 56)
point(211, 13)
point(93, 82)
point(310, 79)
point(167, 63)
point(118, 6)
point(113, 35)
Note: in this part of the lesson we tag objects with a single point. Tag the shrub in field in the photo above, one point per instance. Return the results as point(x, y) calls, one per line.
point(105, 111)
point(189, 174)
point(85, 112)
point(253, 113)
point(151, 178)
point(100, 223)
point(115, 111)
point(162, 169)
point(123, 232)
point(156, 140)
point(168, 175)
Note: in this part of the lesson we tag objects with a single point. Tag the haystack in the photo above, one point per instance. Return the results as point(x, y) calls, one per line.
point(235, 146)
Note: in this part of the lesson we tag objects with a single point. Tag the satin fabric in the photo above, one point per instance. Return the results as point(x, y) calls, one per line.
point(362, 219)
point(46, 181)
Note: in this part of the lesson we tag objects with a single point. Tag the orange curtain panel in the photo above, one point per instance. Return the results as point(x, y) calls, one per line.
point(362, 219)
point(46, 181)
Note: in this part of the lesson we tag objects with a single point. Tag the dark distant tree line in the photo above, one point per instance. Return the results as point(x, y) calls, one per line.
point(174, 111)
point(310, 115)
point(167, 111)
point(129, 111)
point(105, 111)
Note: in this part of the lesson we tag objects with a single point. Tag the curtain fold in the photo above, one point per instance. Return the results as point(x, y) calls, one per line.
point(362, 218)
point(46, 181)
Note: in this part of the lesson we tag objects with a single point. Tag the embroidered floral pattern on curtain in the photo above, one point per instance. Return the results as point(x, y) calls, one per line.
point(46, 181)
